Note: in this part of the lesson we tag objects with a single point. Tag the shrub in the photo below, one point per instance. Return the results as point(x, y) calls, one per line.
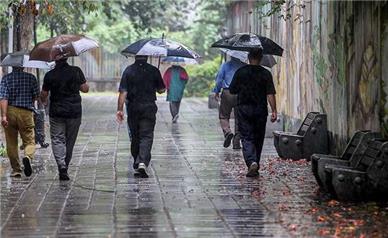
point(202, 78)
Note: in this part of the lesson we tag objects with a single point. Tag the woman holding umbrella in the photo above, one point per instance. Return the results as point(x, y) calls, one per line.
point(175, 78)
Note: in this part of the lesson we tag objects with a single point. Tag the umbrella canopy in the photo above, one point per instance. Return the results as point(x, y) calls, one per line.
point(159, 47)
point(178, 60)
point(21, 59)
point(62, 46)
point(248, 41)
point(268, 60)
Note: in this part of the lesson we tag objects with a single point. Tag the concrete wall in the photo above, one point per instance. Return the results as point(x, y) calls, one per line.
point(333, 61)
point(384, 70)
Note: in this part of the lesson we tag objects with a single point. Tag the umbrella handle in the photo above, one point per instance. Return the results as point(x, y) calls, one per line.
point(159, 55)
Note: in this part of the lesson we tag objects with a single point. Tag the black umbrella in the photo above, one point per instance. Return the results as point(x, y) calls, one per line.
point(267, 60)
point(248, 41)
point(159, 47)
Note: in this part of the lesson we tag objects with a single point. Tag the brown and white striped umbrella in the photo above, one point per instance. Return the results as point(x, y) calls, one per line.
point(62, 46)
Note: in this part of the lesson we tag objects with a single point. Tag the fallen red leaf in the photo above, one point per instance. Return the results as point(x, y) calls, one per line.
point(337, 215)
point(321, 218)
point(323, 232)
point(292, 227)
point(333, 203)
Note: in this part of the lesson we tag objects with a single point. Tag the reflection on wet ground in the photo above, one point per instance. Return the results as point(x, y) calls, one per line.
point(196, 187)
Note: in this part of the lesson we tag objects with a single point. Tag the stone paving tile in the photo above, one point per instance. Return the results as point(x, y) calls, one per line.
point(196, 187)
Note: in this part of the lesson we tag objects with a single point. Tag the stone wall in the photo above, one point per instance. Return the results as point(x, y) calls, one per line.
point(333, 60)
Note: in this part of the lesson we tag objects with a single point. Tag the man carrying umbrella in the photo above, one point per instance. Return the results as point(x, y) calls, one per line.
point(139, 84)
point(254, 86)
point(18, 91)
point(64, 84)
point(228, 101)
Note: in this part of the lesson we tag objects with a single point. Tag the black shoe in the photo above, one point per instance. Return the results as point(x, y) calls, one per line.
point(253, 170)
point(236, 146)
point(236, 142)
point(44, 145)
point(64, 177)
point(228, 139)
point(63, 174)
point(27, 166)
point(142, 170)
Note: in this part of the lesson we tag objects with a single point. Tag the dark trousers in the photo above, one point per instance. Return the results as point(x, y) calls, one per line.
point(63, 133)
point(251, 121)
point(174, 108)
point(141, 121)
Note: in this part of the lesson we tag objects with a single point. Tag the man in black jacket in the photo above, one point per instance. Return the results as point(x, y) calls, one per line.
point(64, 83)
point(253, 85)
point(139, 84)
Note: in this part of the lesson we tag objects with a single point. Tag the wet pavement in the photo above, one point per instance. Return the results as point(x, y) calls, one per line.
point(196, 187)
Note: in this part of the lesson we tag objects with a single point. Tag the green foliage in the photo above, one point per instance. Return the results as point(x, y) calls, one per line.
point(150, 15)
point(57, 15)
point(4, 16)
point(282, 8)
point(42, 33)
point(67, 16)
point(119, 23)
point(113, 34)
point(3, 151)
point(208, 26)
point(141, 13)
point(181, 37)
point(174, 15)
point(202, 78)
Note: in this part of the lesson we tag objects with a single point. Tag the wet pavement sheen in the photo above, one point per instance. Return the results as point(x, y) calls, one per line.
point(196, 187)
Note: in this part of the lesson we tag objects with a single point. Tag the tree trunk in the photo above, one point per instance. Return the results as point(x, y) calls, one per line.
point(24, 24)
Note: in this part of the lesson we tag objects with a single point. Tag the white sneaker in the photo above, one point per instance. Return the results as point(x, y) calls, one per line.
point(142, 170)
point(16, 174)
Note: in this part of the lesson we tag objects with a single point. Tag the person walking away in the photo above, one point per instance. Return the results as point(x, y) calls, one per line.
point(228, 101)
point(64, 84)
point(253, 85)
point(175, 79)
point(139, 84)
point(18, 92)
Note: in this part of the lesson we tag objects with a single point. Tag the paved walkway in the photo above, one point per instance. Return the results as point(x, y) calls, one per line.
point(196, 188)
